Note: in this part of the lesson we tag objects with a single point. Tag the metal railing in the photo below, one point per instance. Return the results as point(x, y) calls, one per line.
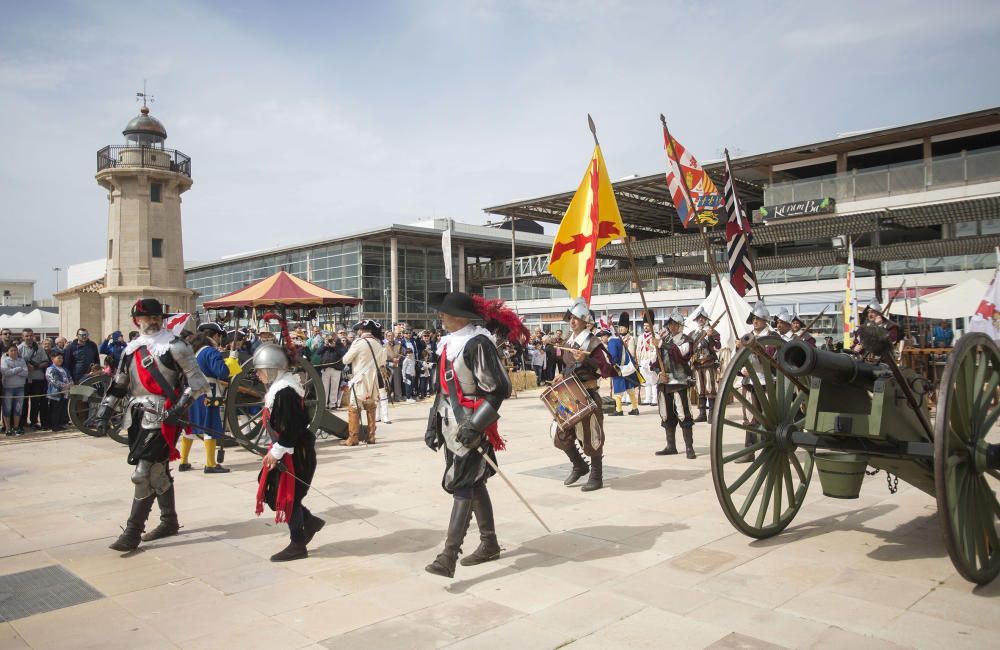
point(123, 155)
point(526, 267)
point(963, 168)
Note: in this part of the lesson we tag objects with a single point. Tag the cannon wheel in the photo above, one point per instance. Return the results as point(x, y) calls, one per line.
point(245, 403)
point(966, 489)
point(85, 398)
point(760, 498)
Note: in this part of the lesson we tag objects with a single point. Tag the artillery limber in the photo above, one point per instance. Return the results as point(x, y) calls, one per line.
point(803, 407)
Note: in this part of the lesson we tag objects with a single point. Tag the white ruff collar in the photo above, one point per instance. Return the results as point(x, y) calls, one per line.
point(455, 342)
point(158, 343)
point(287, 380)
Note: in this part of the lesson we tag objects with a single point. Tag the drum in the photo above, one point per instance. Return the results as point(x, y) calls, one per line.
point(568, 401)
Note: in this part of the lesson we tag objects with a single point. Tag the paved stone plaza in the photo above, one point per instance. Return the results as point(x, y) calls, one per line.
point(648, 562)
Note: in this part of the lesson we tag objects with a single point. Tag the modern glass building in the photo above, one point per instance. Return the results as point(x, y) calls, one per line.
point(394, 268)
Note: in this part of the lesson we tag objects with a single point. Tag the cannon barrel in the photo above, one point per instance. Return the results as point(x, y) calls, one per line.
point(798, 359)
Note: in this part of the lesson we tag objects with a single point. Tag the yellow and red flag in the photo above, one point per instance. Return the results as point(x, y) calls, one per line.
point(591, 221)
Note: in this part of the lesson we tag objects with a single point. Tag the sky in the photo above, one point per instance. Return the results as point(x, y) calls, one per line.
point(307, 120)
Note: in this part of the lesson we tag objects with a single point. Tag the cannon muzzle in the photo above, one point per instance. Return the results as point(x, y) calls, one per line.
point(798, 359)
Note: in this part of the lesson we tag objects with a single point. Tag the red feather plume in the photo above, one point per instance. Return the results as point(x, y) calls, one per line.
point(501, 319)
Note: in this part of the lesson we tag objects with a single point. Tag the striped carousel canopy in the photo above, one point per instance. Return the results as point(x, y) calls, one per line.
point(282, 289)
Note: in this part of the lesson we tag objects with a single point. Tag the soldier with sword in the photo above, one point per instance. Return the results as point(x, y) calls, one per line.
point(464, 418)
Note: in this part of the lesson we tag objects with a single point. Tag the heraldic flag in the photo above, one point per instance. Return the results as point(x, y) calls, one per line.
point(682, 167)
point(591, 221)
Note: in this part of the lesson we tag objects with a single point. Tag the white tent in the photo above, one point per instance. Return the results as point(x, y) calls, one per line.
point(42, 322)
point(715, 307)
point(959, 301)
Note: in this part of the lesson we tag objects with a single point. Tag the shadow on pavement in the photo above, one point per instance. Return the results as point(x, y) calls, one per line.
point(527, 558)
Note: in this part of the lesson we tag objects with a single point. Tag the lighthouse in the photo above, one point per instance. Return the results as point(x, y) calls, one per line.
point(145, 254)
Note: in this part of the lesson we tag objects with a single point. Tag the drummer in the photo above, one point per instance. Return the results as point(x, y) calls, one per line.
point(588, 361)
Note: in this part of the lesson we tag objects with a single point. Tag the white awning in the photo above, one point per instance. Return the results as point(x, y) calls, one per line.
point(958, 301)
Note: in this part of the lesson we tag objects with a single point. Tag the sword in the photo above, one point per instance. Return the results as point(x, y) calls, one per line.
point(489, 461)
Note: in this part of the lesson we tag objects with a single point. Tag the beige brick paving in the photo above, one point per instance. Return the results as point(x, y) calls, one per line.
point(648, 562)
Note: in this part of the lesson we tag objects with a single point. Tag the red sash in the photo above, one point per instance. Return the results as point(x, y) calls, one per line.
point(492, 432)
point(169, 431)
point(284, 500)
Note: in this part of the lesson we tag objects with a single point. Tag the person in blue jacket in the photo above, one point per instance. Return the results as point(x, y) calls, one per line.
point(206, 411)
point(628, 379)
point(113, 346)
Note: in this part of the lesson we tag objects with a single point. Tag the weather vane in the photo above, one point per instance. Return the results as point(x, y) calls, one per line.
point(144, 96)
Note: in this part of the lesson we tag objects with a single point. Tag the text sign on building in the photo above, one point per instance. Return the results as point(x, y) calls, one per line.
point(799, 208)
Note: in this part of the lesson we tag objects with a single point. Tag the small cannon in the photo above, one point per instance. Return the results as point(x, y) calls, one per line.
point(803, 407)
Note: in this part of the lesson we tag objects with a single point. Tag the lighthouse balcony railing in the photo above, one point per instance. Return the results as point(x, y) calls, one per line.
point(128, 156)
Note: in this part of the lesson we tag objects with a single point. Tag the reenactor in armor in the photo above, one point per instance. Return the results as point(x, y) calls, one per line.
point(674, 367)
point(705, 363)
point(757, 319)
point(588, 361)
point(801, 334)
point(783, 324)
point(159, 378)
point(871, 315)
point(464, 418)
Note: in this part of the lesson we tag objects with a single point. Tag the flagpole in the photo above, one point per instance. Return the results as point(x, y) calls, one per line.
point(625, 238)
point(729, 166)
point(513, 264)
point(704, 229)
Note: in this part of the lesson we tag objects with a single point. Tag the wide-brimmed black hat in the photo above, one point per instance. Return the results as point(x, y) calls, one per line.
point(454, 303)
point(147, 307)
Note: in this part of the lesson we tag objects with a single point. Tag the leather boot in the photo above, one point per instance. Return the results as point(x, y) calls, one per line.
point(596, 480)
point(294, 551)
point(489, 548)
point(749, 458)
point(580, 467)
point(370, 414)
point(688, 441)
point(132, 535)
point(353, 426)
point(671, 448)
point(444, 563)
point(168, 517)
point(313, 525)
point(702, 410)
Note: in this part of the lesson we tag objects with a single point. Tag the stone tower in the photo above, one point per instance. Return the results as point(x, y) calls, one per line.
point(145, 255)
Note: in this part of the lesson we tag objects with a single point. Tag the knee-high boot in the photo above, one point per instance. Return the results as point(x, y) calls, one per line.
point(596, 480)
point(671, 430)
point(353, 426)
point(169, 525)
point(370, 416)
point(444, 563)
point(489, 548)
point(688, 439)
point(702, 410)
point(131, 536)
point(580, 467)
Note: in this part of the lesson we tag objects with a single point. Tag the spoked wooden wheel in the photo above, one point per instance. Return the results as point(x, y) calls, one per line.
point(759, 407)
point(84, 400)
point(965, 427)
point(245, 407)
point(245, 410)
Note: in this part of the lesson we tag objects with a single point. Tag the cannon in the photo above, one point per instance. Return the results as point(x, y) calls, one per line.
point(243, 409)
point(803, 407)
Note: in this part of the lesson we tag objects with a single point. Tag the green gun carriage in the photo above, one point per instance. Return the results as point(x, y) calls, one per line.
point(803, 407)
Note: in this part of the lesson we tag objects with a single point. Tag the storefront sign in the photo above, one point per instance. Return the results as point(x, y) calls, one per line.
point(799, 208)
